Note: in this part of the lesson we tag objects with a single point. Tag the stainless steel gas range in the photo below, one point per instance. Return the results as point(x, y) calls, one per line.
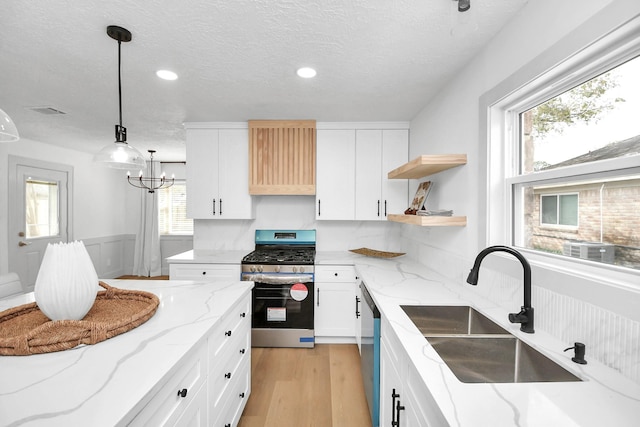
point(282, 268)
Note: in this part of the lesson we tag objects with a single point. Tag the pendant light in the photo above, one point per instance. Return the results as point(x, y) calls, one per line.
point(120, 155)
point(150, 183)
point(8, 130)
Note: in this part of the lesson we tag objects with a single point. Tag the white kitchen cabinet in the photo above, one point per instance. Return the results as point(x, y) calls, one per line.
point(179, 392)
point(335, 304)
point(335, 178)
point(229, 368)
point(352, 167)
point(404, 398)
point(214, 383)
point(376, 152)
point(207, 272)
point(218, 174)
point(392, 370)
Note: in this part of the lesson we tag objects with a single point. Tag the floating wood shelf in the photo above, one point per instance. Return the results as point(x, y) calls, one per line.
point(430, 221)
point(427, 165)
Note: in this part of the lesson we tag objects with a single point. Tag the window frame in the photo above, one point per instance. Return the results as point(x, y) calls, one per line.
point(179, 182)
point(561, 67)
point(558, 225)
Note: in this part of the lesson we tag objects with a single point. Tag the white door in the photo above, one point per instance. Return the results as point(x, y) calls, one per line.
point(235, 202)
point(39, 200)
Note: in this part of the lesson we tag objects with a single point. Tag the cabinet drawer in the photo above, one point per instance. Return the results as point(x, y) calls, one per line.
point(167, 405)
point(195, 414)
point(224, 333)
point(204, 272)
point(226, 368)
point(343, 273)
point(234, 401)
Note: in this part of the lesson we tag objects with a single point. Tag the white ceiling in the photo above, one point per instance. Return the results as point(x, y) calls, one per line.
point(236, 60)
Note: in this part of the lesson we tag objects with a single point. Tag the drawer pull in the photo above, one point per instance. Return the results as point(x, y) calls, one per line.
point(227, 425)
point(204, 273)
point(242, 351)
point(182, 393)
point(228, 333)
point(227, 375)
point(242, 395)
point(243, 314)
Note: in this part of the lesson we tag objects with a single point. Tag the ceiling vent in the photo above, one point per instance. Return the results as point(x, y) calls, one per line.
point(46, 110)
point(593, 251)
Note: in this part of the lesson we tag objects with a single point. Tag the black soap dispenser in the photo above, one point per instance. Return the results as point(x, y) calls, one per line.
point(579, 353)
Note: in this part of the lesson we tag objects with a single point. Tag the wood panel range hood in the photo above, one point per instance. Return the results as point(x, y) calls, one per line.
point(282, 157)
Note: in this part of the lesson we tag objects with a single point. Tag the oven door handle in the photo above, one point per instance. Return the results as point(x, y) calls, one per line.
point(279, 279)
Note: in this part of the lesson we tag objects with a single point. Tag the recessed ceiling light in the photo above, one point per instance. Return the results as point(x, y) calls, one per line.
point(306, 72)
point(166, 75)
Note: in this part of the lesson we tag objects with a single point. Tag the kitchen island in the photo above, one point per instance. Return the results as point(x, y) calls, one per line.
point(603, 397)
point(141, 376)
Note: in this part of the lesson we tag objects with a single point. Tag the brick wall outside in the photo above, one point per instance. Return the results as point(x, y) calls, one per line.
point(620, 216)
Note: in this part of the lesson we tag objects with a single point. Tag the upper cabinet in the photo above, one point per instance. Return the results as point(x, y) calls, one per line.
point(217, 173)
point(282, 157)
point(352, 164)
point(420, 167)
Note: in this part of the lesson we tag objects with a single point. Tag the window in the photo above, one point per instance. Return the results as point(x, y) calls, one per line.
point(568, 148)
point(172, 210)
point(559, 209)
point(41, 208)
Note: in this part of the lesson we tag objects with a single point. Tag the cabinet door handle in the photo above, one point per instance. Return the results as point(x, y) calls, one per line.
point(357, 307)
point(378, 207)
point(318, 297)
point(394, 396)
point(220, 207)
point(318, 207)
point(385, 208)
point(182, 393)
point(214, 206)
point(204, 273)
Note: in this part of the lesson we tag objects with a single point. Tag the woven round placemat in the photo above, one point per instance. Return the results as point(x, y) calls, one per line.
point(26, 330)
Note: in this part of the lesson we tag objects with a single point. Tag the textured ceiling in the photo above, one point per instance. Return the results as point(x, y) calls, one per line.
point(236, 60)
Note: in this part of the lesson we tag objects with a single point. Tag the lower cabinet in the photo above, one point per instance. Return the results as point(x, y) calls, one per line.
point(335, 310)
point(404, 398)
point(212, 386)
point(208, 272)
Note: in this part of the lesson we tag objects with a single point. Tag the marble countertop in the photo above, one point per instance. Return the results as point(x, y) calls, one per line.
point(604, 397)
point(106, 384)
point(196, 256)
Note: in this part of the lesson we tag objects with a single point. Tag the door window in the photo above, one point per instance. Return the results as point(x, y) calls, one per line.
point(42, 216)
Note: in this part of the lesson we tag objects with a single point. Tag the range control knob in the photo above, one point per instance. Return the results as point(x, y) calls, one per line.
point(277, 269)
point(260, 268)
point(253, 268)
point(301, 269)
point(295, 269)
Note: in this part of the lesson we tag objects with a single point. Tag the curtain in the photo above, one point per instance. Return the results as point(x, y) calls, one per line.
point(147, 260)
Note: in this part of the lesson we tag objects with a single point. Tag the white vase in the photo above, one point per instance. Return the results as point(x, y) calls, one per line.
point(67, 282)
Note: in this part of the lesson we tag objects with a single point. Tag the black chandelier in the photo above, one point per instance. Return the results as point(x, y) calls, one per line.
point(151, 183)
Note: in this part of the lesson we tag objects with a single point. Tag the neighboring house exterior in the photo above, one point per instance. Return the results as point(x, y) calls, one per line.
point(598, 220)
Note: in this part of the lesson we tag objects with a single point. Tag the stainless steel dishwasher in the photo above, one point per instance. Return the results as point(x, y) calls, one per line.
point(370, 353)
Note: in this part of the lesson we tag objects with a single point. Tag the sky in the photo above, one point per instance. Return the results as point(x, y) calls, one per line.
point(616, 125)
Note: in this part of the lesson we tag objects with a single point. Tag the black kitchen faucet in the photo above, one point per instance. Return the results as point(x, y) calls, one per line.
point(525, 317)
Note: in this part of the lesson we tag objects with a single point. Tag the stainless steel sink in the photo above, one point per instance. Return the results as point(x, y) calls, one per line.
point(497, 360)
point(477, 350)
point(451, 320)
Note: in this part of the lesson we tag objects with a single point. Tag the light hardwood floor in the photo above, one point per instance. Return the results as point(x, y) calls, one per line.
point(304, 387)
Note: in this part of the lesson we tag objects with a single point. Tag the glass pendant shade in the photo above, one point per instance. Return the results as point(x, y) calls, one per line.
point(8, 130)
point(120, 155)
